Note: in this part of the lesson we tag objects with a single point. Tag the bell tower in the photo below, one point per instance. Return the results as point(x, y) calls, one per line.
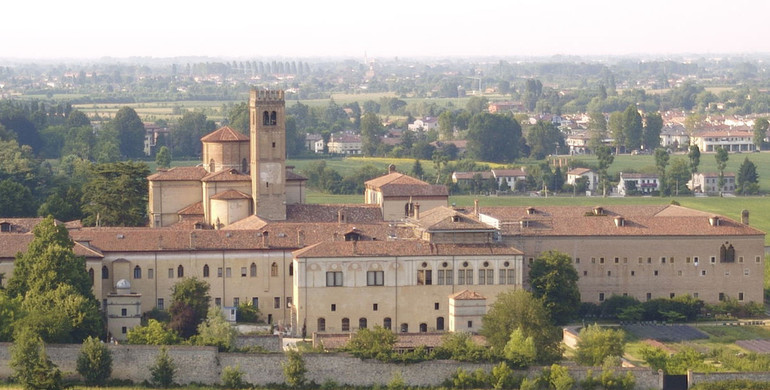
point(267, 128)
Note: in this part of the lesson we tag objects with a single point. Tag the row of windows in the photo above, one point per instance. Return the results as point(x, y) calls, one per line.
point(237, 301)
point(672, 295)
point(727, 255)
point(425, 277)
point(703, 272)
point(387, 323)
point(206, 273)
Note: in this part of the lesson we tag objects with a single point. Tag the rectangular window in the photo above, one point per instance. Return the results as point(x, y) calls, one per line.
point(440, 279)
point(713, 259)
point(219, 272)
point(721, 296)
point(577, 260)
point(601, 260)
point(490, 276)
point(663, 260)
point(672, 295)
point(649, 296)
point(255, 302)
point(424, 277)
point(375, 278)
point(218, 302)
point(375, 307)
point(703, 272)
point(150, 273)
point(277, 302)
point(656, 272)
point(640, 260)
point(679, 273)
point(435, 306)
point(461, 276)
point(745, 272)
point(334, 307)
point(617, 260)
point(482, 277)
point(756, 259)
point(740, 259)
point(243, 272)
point(585, 273)
point(695, 295)
point(236, 301)
point(171, 273)
point(593, 260)
point(609, 273)
point(633, 273)
point(449, 277)
point(228, 272)
point(334, 279)
point(160, 304)
point(601, 297)
point(511, 277)
point(288, 302)
point(469, 276)
point(740, 296)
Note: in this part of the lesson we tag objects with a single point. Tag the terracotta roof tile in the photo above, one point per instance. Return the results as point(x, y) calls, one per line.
point(392, 248)
point(231, 195)
point(508, 173)
point(179, 174)
point(226, 175)
point(360, 213)
point(445, 218)
point(578, 171)
point(224, 134)
point(193, 209)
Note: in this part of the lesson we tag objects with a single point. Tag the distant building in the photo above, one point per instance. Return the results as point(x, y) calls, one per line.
point(153, 133)
point(641, 183)
point(426, 124)
point(509, 176)
point(576, 173)
point(345, 144)
point(732, 140)
point(708, 183)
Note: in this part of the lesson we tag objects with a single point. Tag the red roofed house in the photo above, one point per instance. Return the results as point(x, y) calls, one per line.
point(397, 194)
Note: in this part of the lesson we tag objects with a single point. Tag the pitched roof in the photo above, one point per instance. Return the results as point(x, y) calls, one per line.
point(231, 195)
point(179, 174)
point(467, 295)
point(654, 220)
point(352, 213)
point(293, 176)
point(11, 244)
point(471, 175)
point(224, 134)
point(508, 173)
point(226, 175)
point(193, 209)
point(445, 218)
point(397, 184)
point(578, 171)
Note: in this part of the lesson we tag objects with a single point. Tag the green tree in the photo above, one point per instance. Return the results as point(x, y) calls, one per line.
point(154, 333)
point(238, 117)
point(632, 128)
point(62, 315)
point(616, 127)
point(232, 378)
point(519, 350)
point(16, 200)
point(215, 331)
point(163, 158)
point(130, 131)
point(553, 279)
point(678, 175)
point(186, 135)
point(417, 170)
point(10, 312)
point(694, 156)
point(760, 131)
point(94, 362)
point(748, 178)
point(544, 138)
point(597, 343)
point(520, 309)
point(721, 156)
point(376, 343)
point(605, 157)
point(597, 128)
point(63, 204)
point(653, 123)
point(661, 161)
point(371, 130)
point(32, 367)
point(163, 370)
point(189, 306)
point(116, 195)
point(446, 125)
point(477, 104)
point(459, 346)
point(294, 368)
point(494, 138)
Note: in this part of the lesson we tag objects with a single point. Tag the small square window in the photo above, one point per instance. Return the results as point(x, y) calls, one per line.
point(219, 272)
point(123, 330)
point(218, 302)
point(601, 297)
point(470, 324)
point(236, 301)
point(713, 259)
point(740, 296)
point(277, 302)
point(663, 260)
point(757, 259)
point(633, 273)
point(243, 272)
point(228, 272)
point(649, 260)
point(649, 296)
point(679, 273)
point(585, 273)
point(577, 260)
point(703, 272)
point(671, 295)
point(334, 307)
point(593, 260)
point(740, 259)
point(123, 312)
point(435, 306)
point(601, 260)
point(655, 272)
point(609, 273)
point(617, 260)
point(745, 272)
point(375, 307)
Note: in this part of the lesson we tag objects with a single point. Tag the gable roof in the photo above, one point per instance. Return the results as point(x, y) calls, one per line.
point(398, 184)
point(391, 248)
point(578, 171)
point(444, 218)
point(179, 174)
point(226, 175)
point(467, 295)
point(224, 134)
point(231, 195)
point(509, 173)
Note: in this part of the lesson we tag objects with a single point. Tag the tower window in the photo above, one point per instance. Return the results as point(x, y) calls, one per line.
point(266, 118)
point(273, 118)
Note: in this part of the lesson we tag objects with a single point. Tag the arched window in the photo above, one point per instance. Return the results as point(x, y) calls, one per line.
point(212, 165)
point(386, 323)
point(423, 327)
point(346, 324)
point(180, 272)
point(322, 324)
point(440, 323)
point(105, 272)
point(291, 269)
point(206, 271)
point(253, 270)
point(274, 269)
point(265, 118)
point(137, 272)
point(91, 274)
point(273, 118)
point(362, 323)
point(404, 327)
point(244, 166)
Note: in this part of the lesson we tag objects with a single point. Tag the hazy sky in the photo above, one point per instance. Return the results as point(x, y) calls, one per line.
point(405, 28)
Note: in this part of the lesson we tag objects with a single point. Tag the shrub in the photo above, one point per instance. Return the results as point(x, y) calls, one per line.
point(32, 367)
point(294, 369)
point(162, 372)
point(396, 382)
point(94, 362)
point(232, 378)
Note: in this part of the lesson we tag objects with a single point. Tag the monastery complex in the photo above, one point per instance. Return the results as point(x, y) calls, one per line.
point(404, 259)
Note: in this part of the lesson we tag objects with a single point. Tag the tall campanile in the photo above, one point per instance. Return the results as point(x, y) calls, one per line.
point(268, 153)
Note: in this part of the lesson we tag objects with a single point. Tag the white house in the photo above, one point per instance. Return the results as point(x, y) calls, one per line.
point(642, 183)
point(576, 173)
point(427, 124)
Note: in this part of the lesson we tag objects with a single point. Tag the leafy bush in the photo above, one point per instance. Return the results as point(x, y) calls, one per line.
point(597, 343)
point(94, 362)
point(162, 372)
point(247, 313)
point(294, 369)
point(376, 343)
point(32, 367)
point(232, 378)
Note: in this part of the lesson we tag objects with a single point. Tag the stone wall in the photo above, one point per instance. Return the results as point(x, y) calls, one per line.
point(270, 343)
point(204, 365)
point(694, 378)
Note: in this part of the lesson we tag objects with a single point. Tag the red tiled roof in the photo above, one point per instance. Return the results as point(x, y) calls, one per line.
point(400, 248)
point(179, 174)
point(293, 176)
point(226, 175)
point(352, 213)
point(399, 185)
point(224, 134)
point(578, 171)
point(471, 175)
point(445, 218)
point(193, 209)
point(231, 195)
point(508, 173)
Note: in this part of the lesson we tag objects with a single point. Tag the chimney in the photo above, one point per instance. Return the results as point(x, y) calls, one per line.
point(265, 241)
point(476, 207)
point(391, 168)
point(598, 210)
point(530, 210)
point(714, 221)
point(620, 221)
point(745, 217)
point(300, 238)
point(416, 211)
